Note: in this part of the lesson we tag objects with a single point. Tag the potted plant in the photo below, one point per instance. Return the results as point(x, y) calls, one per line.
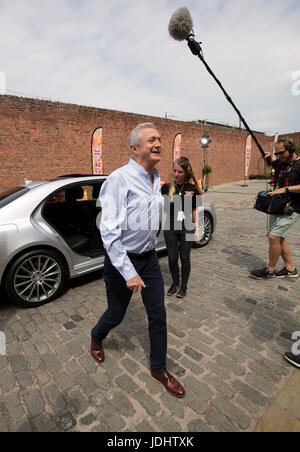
point(206, 170)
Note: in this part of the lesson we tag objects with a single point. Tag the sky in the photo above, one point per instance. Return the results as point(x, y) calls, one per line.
point(118, 55)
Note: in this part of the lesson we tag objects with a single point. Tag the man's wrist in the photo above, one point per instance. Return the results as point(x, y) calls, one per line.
point(287, 190)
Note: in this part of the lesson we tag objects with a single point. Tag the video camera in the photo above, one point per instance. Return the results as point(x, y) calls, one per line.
point(273, 205)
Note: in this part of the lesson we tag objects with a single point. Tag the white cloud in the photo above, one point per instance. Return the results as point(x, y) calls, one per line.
point(118, 55)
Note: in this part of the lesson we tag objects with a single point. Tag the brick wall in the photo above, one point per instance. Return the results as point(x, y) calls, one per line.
point(41, 139)
point(293, 136)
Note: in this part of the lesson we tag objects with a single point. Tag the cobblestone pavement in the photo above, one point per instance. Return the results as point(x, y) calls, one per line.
point(226, 340)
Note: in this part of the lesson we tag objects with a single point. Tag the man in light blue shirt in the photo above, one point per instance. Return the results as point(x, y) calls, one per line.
point(131, 204)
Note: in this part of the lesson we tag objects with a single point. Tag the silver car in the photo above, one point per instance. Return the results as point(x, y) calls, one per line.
point(48, 234)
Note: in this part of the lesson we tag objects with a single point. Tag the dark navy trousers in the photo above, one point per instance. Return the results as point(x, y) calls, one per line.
point(119, 296)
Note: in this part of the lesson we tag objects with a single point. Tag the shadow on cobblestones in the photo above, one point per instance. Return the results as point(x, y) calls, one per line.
point(243, 257)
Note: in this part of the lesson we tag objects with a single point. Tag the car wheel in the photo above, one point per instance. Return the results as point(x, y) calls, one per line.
point(35, 278)
point(207, 233)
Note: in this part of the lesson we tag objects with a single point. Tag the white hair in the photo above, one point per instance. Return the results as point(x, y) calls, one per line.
point(135, 136)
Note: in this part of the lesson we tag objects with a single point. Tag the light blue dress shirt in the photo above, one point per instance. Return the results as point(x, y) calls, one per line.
point(131, 213)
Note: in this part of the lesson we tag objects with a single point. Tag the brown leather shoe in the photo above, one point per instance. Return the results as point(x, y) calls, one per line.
point(97, 352)
point(170, 383)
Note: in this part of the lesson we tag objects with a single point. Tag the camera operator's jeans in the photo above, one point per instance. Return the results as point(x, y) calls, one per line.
point(280, 225)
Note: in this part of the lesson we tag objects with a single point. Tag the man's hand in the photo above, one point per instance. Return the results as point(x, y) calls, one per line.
point(267, 155)
point(136, 284)
point(269, 158)
point(280, 191)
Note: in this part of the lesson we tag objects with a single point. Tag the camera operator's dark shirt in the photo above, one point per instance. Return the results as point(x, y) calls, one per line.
point(287, 175)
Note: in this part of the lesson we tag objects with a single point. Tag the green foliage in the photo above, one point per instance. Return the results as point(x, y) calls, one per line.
point(206, 170)
point(268, 175)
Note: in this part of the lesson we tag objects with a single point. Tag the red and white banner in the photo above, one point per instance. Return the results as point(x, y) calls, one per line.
point(275, 141)
point(248, 154)
point(177, 146)
point(97, 157)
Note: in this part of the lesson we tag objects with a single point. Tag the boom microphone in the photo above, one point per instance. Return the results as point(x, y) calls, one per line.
point(181, 24)
point(181, 28)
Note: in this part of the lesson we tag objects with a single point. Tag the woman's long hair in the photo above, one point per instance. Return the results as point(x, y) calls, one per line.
point(184, 163)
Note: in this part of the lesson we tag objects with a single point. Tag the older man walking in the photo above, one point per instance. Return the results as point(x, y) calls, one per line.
point(131, 207)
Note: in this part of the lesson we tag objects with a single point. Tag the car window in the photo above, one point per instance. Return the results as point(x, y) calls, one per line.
point(11, 194)
point(57, 197)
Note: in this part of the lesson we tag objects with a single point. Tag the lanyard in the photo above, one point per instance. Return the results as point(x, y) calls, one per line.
point(286, 170)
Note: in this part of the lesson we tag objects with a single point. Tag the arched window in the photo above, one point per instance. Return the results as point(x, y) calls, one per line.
point(177, 146)
point(97, 156)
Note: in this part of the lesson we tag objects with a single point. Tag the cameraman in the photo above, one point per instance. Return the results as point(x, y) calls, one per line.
point(286, 181)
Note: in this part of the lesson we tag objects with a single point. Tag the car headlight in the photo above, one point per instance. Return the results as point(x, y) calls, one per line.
point(8, 231)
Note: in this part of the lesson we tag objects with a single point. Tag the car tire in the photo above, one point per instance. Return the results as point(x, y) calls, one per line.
point(208, 232)
point(36, 278)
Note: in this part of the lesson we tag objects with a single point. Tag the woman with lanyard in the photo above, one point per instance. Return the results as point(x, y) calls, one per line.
point(181, 222)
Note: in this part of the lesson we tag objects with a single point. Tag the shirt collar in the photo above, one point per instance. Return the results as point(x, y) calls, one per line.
point(133, 164)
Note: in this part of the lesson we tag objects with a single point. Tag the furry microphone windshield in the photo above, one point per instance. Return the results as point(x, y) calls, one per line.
point(181, 24)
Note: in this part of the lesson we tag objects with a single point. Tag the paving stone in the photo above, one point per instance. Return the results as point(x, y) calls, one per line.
point(149, 383)
point(177, 406)
point(229, 365)
point(74, 348)
point(7, 381)
point(198, 426)
point(260, 383)
point(167, 424)
point(25, 379)
point(77, 318)
point(45, 423)
point(3, 362)
point(69, 325)
point(55, 398)
point(144, 427)
point(66, 422)
point(22, 426)
point(112, 421)
point(103, 381)
point(249, 392)
point(98, 400)
point(14, 406)
point(89, 419)
point(219, 385)
point(18, 363)
point(220, 422)
point(100, 428)
point(193, 354)
point(85, 382)
point(218, 370)
point(52, 363)
point(230, 411)
point(34, 402)
point(126, 383)
point(188, 364)
point(122, 403)
point(147, 402)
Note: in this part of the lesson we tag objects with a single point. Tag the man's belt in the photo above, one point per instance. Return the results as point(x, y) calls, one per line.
point(141, 255)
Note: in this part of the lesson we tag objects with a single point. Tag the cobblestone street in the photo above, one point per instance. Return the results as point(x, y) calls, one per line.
point(226, 341)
